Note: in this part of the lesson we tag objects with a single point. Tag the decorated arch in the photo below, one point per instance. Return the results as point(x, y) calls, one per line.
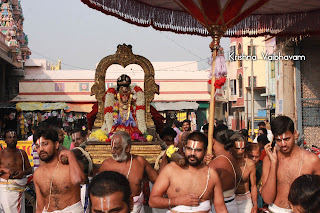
point(124, 57)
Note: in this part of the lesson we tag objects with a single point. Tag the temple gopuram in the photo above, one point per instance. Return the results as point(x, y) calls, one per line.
point(14, 49)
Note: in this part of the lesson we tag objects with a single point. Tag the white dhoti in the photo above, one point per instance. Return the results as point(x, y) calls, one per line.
point(12, 195)
point(74, 208)
point(244, 202)
point(230, 203)
point(276, 209)
point(85, 197)
point(204, 206)
point(138, 204)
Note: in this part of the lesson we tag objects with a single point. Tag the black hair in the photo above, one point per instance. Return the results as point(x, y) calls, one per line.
point(8, 130)
point(263, 139)
point(67, 129)
point(57, 129)
point(176, 123)
point(205, 127)
point(244, 132)
point(168, 131)
point(230, 133)
point(109, 182)
point(199, 136)
point(83, 133)
point(253, 146)
point(221, 134)
point(264, 130)
point(186, 121)
point(33, 127)
point(219, 122)
point(262, 123)
point(281, 124)
point(47, 133)
point(305, 192)
point(43, 125)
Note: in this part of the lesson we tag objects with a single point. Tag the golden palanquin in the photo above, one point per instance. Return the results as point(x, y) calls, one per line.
point(99, 151)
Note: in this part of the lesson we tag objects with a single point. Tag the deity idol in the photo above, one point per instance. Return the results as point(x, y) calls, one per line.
point(125, 109)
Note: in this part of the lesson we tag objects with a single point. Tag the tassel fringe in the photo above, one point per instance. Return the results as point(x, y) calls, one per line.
point(135, 12)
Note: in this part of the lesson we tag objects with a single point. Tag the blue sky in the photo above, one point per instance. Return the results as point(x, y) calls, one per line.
point(80, 36)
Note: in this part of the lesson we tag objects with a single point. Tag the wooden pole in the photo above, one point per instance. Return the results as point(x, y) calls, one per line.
point(212, 104)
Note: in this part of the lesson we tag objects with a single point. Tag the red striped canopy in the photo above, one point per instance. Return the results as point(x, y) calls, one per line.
point(220, 12)
point(240, 17)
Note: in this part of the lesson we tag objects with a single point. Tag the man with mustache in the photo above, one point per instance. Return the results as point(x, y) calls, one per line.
point(191, 187)
point(132, 166)
point(14, 166)
point(224, 164)
point(246, 173)
point(79, 138)
point(57, 180)
point(285, 162)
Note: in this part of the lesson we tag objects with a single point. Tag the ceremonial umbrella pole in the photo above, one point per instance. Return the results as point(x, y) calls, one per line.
point(216, 33)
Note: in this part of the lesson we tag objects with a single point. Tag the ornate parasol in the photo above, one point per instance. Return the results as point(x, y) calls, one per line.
point(217, 18)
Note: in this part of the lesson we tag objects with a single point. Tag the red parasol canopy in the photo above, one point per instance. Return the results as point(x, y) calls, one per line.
point(240, 17)
point(218, 18)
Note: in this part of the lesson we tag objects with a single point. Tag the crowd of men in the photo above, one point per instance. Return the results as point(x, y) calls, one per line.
point(238, 178)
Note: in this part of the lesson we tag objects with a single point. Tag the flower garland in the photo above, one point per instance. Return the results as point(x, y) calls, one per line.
point(111, 109)
point(140, 109)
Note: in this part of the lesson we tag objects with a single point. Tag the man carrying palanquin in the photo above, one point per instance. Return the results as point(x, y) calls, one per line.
point(132, 166)
point(189, 188)
point(57, 180)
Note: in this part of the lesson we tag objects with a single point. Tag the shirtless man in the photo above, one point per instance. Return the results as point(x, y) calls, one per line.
point(14, 166)
point(191, 187)
point(79, 137)
point(132, 166)
point(57, 184)
point(110, 192)
point(304, 194)
point(246, 173)
point(183, 141)
point(285, 162)
point(186, 127)
point(224, 163)
point(60, 137)
point(167, 135)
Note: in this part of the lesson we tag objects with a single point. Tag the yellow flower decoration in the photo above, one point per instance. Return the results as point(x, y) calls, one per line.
point(99, 135)
point(172, 149)
point(149, 138)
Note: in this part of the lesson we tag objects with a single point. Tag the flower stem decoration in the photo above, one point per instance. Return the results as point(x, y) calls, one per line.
point(172, 149)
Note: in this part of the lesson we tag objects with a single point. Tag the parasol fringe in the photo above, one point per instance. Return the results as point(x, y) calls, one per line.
point(138, 13)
